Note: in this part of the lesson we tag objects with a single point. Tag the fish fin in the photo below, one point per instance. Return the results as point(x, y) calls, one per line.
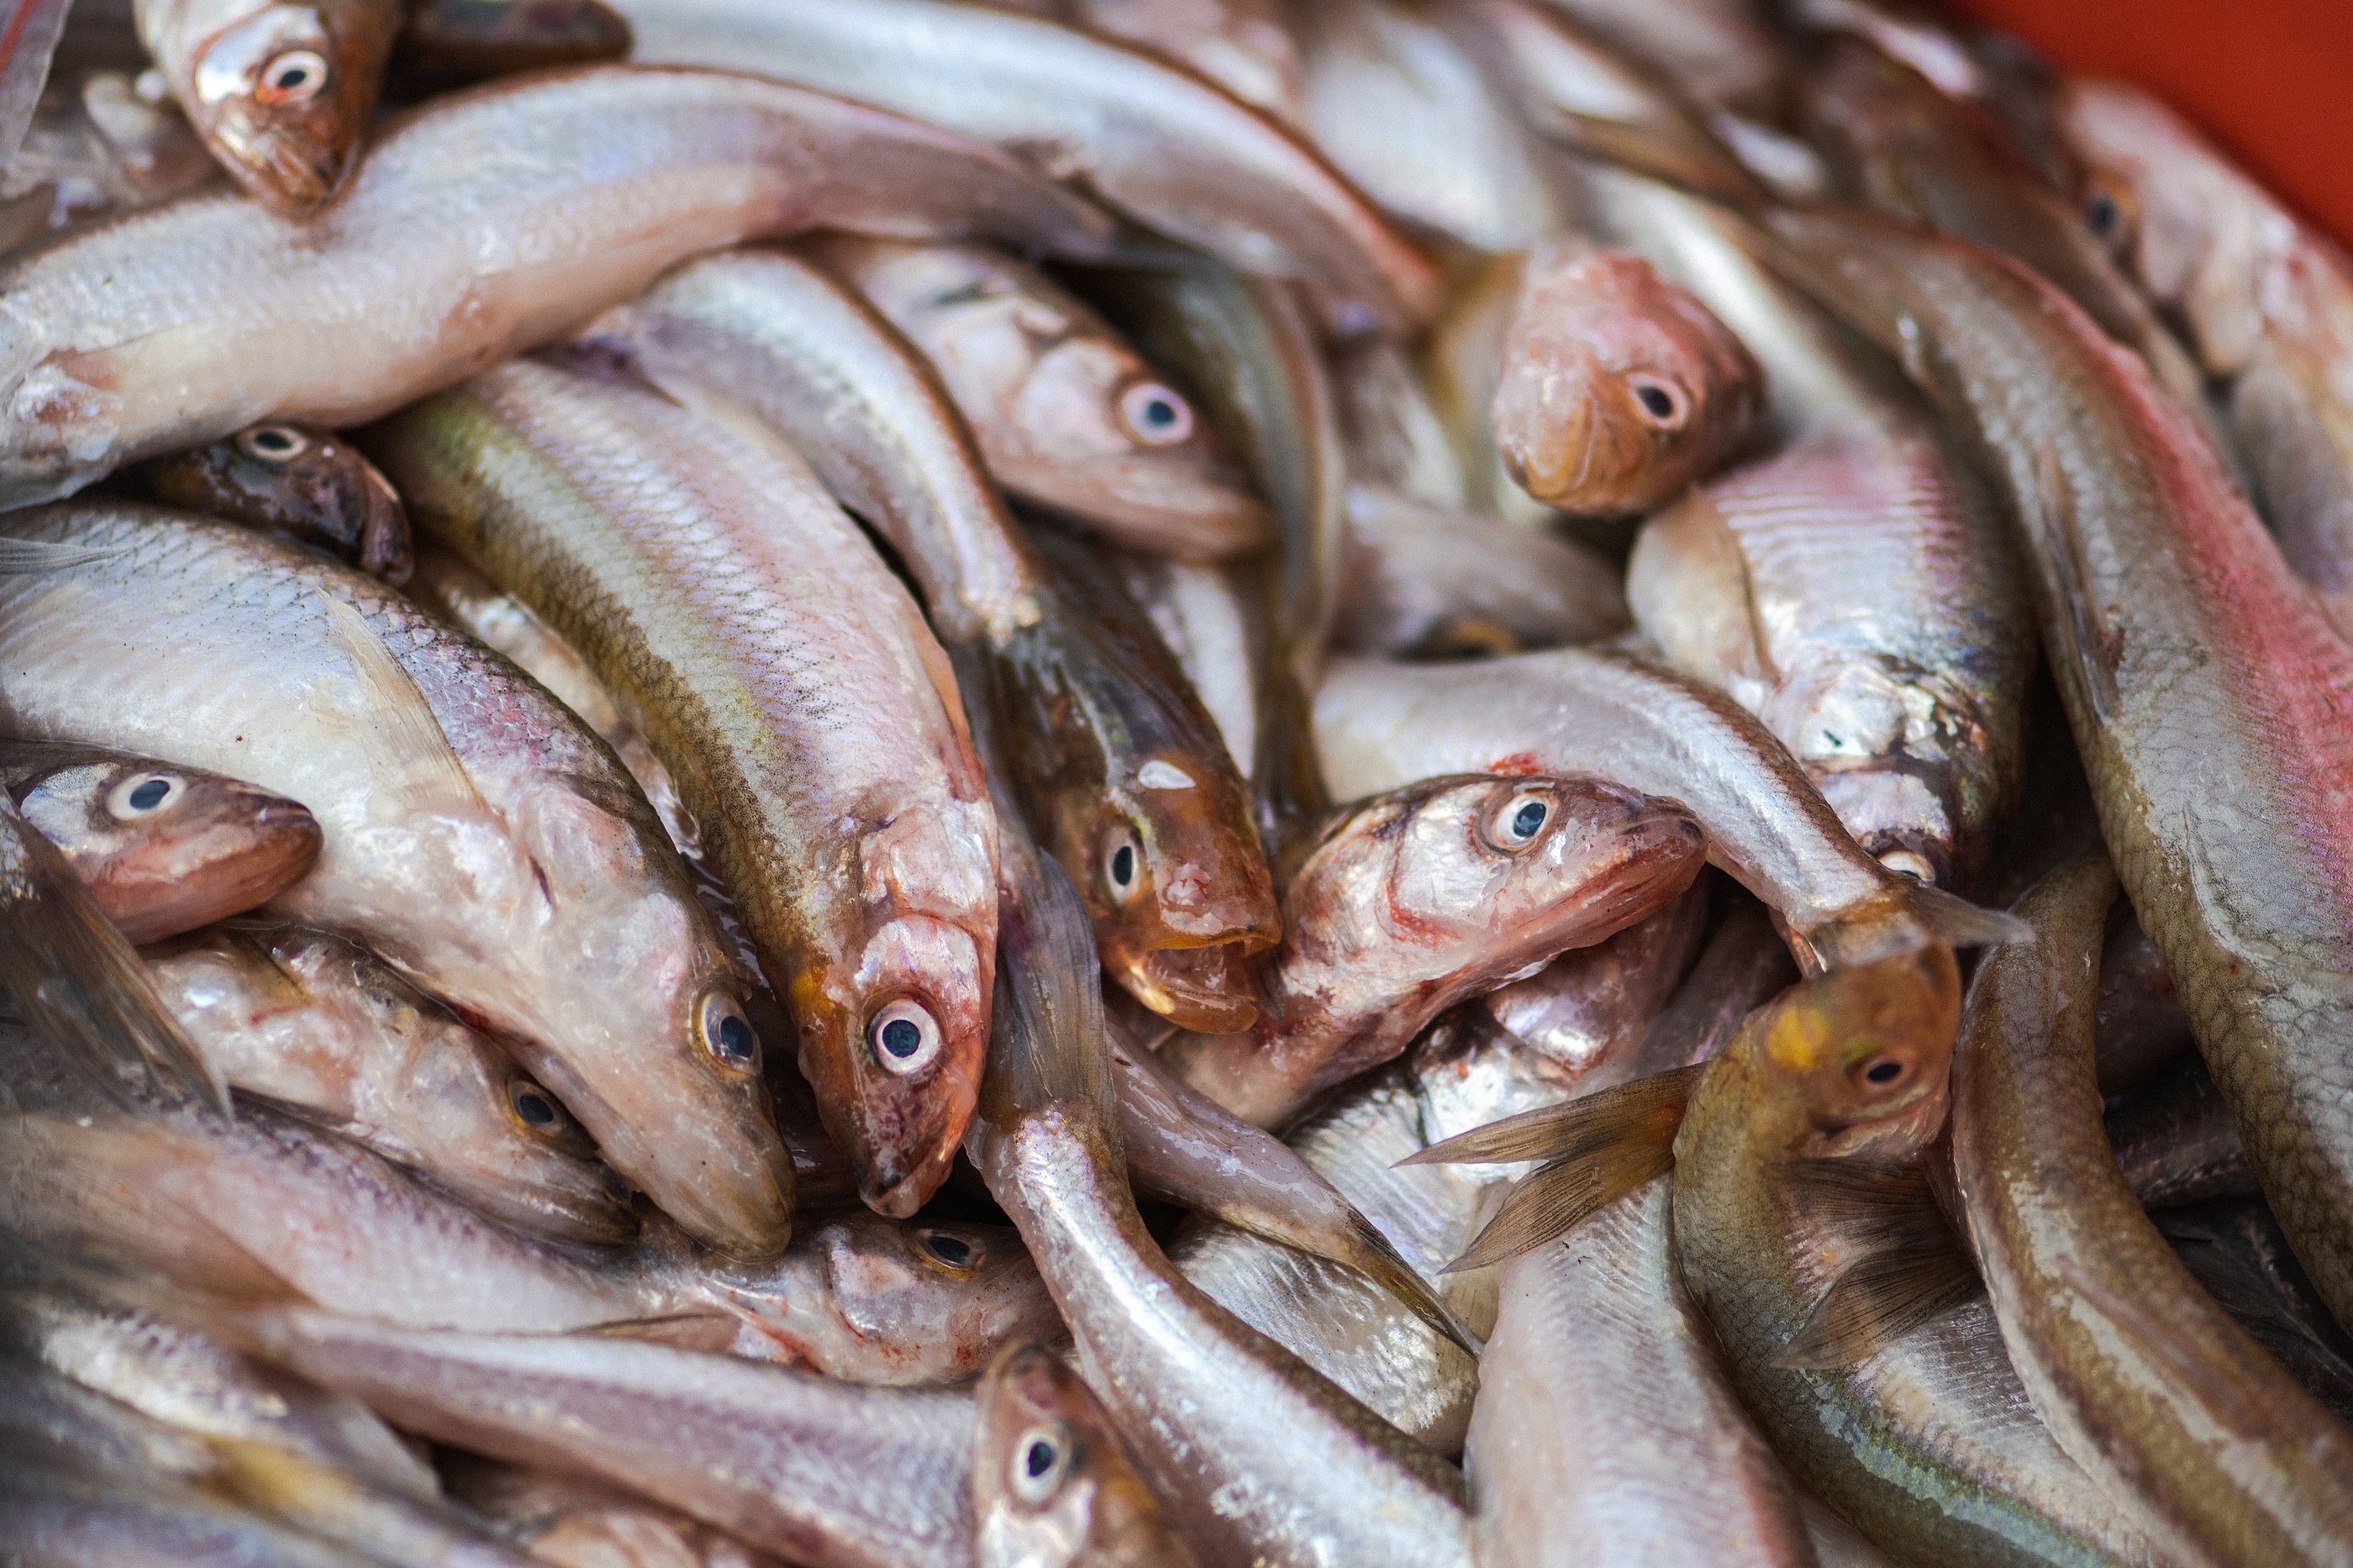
point(78, 983)
point(1912, 1267)
point(1553, 1201)
point(1891, 923)
point(2063, 547)
point(1648, 1108)
point(1961, 923)
point(1375, 1258)
point(30, 557)
point(428, 772)
point(690, 1331)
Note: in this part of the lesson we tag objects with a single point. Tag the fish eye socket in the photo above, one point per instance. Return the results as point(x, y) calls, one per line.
point(726, 1034)
point(1885, 1071)
point(1123, 864)
point(1518, 822)
point(533, 1107)
point(142, 795)
point(1909, 863)
point(1042, 1460)
point(903, 1037)
point(272, 443)
point(1155, 415)
point(2104, 215)
point(295, 77)
point(1662, 402)
point(949, 1250)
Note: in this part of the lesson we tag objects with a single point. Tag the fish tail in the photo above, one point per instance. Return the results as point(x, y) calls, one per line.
point(1579, 1127)
point(1374, 1256)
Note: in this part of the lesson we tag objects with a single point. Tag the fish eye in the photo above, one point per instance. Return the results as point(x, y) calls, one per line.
point(142, 795)
point(295, 77)
point(1122, 864)
point(904, 1037)
point(533, 1107)
point(1517, 823)
point(1909, 863)
point(949, 1250)
point(1885, 1071)
point(2104, 215)
point(272, 443)
point(1155, 415)
point(1663, 403)
point(726, 1034)
point(1042, 1460)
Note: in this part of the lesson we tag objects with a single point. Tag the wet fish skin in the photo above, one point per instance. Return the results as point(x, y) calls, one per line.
point(315, 1023)
point(55, 1518)
point(2242, 1259)
point(2187, 1424)
point(1424, 581)
point(1718, 51)
point(163, 849)
point(1159, 144)
point(2210, 772)
point(477, 837)
point(1244, 46)
point(445, 44)
point(2175, 1144)
point(1051, 1480)
point(787, 681)
point(1066, 412)
point(572, 1523)
point(1426, 895)
point(391, 291)
point(1199, 614)
point(295, 480)
point(282, 90)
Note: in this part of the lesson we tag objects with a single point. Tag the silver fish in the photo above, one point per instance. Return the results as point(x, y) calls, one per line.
point(1422, 581)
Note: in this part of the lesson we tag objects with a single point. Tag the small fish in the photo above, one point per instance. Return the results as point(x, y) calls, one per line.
point(1067, 415)
point(1053, 1483)
point(317, 1025)
point(295, 480)
point(163, 849)
point(282, 90)
point(1617, 387)
point(446, 44)
point(1418, 898)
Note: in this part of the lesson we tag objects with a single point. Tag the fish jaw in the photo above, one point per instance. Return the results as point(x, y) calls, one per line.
point(290, 150)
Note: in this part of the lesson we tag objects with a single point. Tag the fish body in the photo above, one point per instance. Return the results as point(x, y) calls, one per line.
point(302, 482)
point(163, 849)
point(280, 90)
point(445, 44)
point(444, 255)
point(477, 838)
point(1246, 47)
point(1427, 581)
point(1052, 1484)
point(789, 684)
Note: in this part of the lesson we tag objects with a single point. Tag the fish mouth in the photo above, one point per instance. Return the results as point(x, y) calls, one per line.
point(1213, 989)
point(369, 524)
point(1194, 517)
point(247, 855)
point(289, 169)
point(1658, 854)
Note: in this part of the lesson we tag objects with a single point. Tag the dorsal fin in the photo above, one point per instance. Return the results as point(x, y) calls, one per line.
point(427, 772)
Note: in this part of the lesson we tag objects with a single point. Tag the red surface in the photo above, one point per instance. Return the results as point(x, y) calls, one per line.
point(2272, 79)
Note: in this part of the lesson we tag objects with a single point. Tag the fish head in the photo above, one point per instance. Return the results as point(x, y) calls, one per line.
point(167, 848)
point(294, 479)
point(1617, 387)
point(283, 96)
point(1864, 1053)
point(1052, 1481)
point(894, 1027)
point(1105, 438)
point(920, 1302)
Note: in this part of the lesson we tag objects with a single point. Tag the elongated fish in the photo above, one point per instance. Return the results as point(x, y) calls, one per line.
point(461, 256)
point(791, 686)
point(310, 1022)
point(163, 849)
point(282, 90)
point(477, 837)
point(1052, 1484)
point(305, 483)
point(1160, 144)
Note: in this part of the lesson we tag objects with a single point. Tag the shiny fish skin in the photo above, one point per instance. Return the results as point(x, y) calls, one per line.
point(282, 90)
point(1066, 412)
point(1244, 46)
point(790, 685)
point(445, 44)
point(575, 1523)
point(1161, 145)
point(504, 864)
point(312, 1022)
point(159, 861)
point(1200, 614)
point(304, 483)
point(440, 257)
point(2142, 1378)
point(2217, 778)
point(53, 1518)
point(1427, 581)
point(1053, 1486)
point(1718, 51)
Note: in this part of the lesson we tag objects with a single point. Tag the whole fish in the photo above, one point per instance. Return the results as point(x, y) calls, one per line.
point(1158, 143)
point(163, 849)
point(445, 44)
point(282, 90)
point(577, 1523)
point(1052, 1484)
point(1244, 46)
point(1421, 897)
point(1422, 581)
point(1617, 387)
point(477, 837)
point(1066, 414)
point(2264, 300)
point(314, 1024)
point(2187, 1424)
point(293, 480)
point(97, 144)
point(2138, 545)
point(787, 681)
point(459, 257)
point(1612, 716)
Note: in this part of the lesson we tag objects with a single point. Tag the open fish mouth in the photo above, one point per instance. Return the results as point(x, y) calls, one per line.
point(1211, 990)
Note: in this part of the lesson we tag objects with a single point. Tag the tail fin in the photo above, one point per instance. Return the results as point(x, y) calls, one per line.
point(1575, 1128)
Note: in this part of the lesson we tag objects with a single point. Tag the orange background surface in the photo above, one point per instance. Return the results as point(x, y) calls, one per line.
point(2272, 79)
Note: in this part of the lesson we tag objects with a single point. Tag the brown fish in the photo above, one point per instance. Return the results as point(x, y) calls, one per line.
point(1052, 1481)
point(162, 849)
point(297, 480)
point(450, 43)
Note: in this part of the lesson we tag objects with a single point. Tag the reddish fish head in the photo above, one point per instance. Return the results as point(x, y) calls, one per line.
point(283, 96)
point(297, 480)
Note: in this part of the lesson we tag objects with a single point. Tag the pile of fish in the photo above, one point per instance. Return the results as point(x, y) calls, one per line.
point(910, 784)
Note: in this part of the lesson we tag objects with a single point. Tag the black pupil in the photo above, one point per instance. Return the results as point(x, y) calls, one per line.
point(1527, 819)
point(1883, 1072)
point(1123, 864)
point(734, 1038)
point(292, 77)
point(534, 1110)
point(1038, 1458)
point(902, 1038)
point(1159, 413)
point(2104, 215)
point(276, 443)
point(953, 1251)
point(1656, 400)
point(149, 795)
